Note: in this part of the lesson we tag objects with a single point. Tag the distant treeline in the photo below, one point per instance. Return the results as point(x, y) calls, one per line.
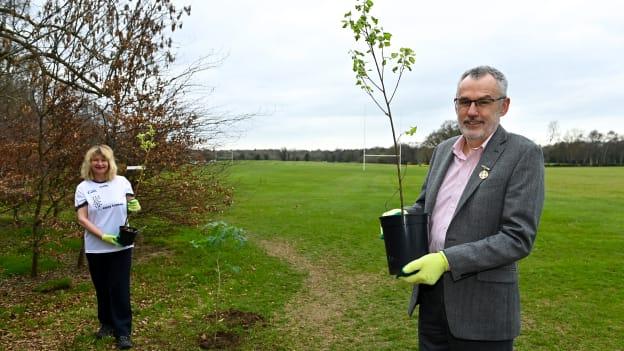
point(410, 154)
point(585, 154)
point(576, 149)
point(579, 153)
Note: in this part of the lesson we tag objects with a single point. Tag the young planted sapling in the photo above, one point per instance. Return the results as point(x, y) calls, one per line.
point(219, 236)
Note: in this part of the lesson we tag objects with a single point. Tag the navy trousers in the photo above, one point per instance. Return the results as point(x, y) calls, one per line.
point(433, 329)
point(110, 273)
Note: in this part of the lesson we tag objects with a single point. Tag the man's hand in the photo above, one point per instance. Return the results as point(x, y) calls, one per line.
point(134, 205)
point(430, 268)
point(111, 239)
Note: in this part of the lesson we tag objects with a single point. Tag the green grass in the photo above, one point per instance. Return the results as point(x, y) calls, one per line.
point(19, 264)
point(325, 207)
point(572, 285)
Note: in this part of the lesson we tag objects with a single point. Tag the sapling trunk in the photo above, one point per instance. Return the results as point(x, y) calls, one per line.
point(216, 301)
point(398, 166)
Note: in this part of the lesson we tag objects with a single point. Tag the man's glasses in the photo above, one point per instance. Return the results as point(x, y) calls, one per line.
point(465, 103)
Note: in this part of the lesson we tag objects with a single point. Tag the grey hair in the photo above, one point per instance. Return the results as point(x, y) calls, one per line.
point(481, 71)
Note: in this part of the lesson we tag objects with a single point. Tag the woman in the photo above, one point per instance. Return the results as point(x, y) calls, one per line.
point(102, 200)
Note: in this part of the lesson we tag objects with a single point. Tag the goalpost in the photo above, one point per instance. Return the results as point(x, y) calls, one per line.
point(227, 157)
point(364, 155)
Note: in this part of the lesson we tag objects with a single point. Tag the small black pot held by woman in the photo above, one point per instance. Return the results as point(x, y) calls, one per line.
point(405, 238)
point(127, 235)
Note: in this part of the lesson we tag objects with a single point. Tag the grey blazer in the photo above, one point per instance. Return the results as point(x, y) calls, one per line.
point(493, 227)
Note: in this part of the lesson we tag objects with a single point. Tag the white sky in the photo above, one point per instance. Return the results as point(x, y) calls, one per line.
point(289, 62)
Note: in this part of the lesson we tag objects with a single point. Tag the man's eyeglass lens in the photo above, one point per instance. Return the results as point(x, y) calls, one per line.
point(465, 103)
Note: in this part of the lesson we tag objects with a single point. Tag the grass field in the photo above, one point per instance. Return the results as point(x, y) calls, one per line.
point(315, 269)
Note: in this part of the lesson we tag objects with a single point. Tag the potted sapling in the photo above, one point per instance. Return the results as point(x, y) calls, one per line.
point(378, 72)
point(127, 233)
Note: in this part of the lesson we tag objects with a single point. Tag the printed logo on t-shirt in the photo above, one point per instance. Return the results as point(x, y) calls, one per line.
point(97, 201)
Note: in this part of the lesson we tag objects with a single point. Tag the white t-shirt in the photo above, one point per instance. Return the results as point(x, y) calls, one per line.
point(106, 209)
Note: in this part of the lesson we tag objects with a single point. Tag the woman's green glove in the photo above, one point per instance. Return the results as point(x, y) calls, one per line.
point(425, 270)
point(134, 205)
point(111, 239)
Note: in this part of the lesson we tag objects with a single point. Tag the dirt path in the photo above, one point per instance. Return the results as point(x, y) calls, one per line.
point(313, 314)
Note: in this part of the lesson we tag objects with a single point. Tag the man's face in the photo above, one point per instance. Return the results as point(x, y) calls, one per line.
point(477, 121)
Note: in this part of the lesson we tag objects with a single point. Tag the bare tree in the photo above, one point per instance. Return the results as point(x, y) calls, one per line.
point(95, 72)
point(553, 131)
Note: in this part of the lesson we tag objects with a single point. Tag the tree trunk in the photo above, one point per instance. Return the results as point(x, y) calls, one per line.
point(36, 228)
point(34, 267)
point(81, 256)
point(16, 219)
point(56, 209)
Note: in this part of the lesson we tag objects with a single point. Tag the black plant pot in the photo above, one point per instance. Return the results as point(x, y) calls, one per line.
point(404, 241)
point(127, 235)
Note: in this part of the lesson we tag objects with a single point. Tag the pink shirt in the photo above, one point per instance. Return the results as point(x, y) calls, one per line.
point(451, 190)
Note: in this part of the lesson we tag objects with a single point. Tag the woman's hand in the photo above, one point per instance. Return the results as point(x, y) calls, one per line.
point(134, 205)
point(111, 239)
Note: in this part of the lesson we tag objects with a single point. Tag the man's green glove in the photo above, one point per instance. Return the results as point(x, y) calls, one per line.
point(111, 239)
point(134, 205)
point(425, 270)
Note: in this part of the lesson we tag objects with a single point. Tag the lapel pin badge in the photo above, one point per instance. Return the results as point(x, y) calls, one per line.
point(484, 172)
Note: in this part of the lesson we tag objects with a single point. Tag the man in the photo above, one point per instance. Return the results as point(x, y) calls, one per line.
point(484, 195)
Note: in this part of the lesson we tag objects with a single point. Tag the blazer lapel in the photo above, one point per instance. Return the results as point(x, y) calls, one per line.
point(492, 152)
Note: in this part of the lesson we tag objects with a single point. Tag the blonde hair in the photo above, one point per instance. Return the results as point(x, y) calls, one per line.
point(100, 150)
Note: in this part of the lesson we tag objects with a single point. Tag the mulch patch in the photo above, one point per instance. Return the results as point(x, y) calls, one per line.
point(236, 318)
point(220, 341)
point(232, 319)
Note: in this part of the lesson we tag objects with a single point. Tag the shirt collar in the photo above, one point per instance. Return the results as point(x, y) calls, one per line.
point(459, 145)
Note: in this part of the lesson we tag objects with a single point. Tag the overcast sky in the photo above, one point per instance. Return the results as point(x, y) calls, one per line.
point(288, 62)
